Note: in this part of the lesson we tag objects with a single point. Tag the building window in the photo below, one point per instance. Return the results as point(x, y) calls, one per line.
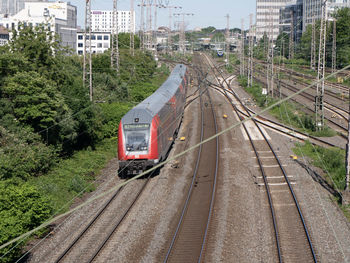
point(99, 45)
point(80, 37)
point(99, 37)
point(80, 52)
point(80, 44)
point(105, 37)
point(93, 37)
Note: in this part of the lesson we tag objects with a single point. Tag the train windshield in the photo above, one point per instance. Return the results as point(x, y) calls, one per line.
point(137, 136)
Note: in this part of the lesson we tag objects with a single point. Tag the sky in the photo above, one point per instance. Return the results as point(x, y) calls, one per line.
point(206, 13)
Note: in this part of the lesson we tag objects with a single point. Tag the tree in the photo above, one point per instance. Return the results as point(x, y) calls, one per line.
point(282, 44)
point(219, 36)
point(208, 30)
point(260, 51)
point(343, 39)
point(124, 41)
point(38, 103)
point(23, 154)
point(38, 45)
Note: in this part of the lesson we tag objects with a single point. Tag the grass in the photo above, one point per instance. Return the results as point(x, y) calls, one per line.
point(346, 211)
point(75, 175)
point(291, 115)
point(287, 112)
point(330, 160)
point(255, 90)
point(332, 163)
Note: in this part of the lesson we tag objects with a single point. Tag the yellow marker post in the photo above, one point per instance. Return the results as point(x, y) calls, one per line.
point(224, 116)
point(182, 138)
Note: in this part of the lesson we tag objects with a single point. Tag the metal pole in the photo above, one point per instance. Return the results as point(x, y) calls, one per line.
point(155, 25)
point(242, 46)
point(87, 76)
point(143, 24)
point(291, 36)
point(227, 40)
point(115, 32)
point(321, 70)
point(250, 48)
point(334, 46)
point(348, 154)
point(169, 34)
point(313, 43)
point(132, 36)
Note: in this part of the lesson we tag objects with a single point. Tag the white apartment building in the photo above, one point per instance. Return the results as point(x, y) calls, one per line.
point(102, 21)
point(100, 42)
point(60, 17)
point(267, 11)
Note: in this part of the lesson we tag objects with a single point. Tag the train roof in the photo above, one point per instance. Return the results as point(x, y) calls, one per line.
point(149, 107)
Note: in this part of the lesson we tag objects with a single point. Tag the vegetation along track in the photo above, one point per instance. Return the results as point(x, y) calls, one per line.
point(280, 128)
point(341, 127)
point(292, 239)
point(89, 243)
point(188, 241)
point(333, 101)
point(301, 77)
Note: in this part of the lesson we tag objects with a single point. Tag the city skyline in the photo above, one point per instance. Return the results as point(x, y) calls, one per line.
point(203, 12)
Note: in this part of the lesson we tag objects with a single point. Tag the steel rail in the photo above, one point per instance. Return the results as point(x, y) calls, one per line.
point(195, 173)
point(118, 223)
point(310, 109)
point(284, 174)
point(277, 123)
point(215, 181)
point(91, 223)
point(189, 193)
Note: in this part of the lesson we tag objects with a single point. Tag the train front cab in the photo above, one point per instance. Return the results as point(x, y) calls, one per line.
point(137, 147)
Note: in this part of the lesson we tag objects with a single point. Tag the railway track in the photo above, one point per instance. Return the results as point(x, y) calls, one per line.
point(329, 86)
point(340, 127)
point(188, 241)
point(334, 102)
point(280, 128)
point(90, 242)
point(292, 239)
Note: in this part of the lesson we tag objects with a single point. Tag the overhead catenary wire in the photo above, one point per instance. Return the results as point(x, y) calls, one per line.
point(47, 223)
point(324, 167)
point(79, 194)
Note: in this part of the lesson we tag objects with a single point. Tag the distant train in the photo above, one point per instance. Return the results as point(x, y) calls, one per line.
point(147, 131)
point(219, 52)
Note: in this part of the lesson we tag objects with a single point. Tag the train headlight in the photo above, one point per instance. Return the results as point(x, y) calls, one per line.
point(144, 148)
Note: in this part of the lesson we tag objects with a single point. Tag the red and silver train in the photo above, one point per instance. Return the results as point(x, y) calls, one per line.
point(147, 131)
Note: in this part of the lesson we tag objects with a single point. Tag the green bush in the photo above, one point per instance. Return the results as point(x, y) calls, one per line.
point(112, 114)
point(23, 155)
point(22, 208)
point(331, 160)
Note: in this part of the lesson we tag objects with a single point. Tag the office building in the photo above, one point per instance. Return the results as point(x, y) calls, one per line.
point(100, 42)
point(101, 21)
point(59, 17)
point(267, 13)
